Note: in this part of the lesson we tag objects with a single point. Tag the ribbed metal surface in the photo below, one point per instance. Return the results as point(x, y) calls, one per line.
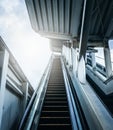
point(55, 18)
point(55, 111)
point(61, 19)
point(102, 20)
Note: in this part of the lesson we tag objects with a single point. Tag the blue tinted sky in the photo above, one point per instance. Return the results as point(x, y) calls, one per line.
point(30, 50)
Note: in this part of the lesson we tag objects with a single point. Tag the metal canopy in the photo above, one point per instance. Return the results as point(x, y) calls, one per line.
point(55, 18)
point(62, 19)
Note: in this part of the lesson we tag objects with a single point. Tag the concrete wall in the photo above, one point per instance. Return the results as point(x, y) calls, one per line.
point(11, 110)
point(15, 90)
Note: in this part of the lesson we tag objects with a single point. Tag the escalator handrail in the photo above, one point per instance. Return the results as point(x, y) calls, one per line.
point(44, 76)
point(76, 124)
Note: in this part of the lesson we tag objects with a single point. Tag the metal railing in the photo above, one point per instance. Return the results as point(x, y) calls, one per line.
point(29, 114)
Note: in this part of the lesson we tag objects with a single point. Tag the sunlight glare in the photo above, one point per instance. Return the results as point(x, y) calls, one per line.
point(31, 51)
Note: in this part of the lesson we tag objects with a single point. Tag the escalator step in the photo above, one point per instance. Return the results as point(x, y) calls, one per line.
point(58, 94)
point(56, 89)
point(52, 98)
point(55, 98)
point(55, 113)
point(55, 84)
point(55, 126)
point(54, 120)
point(55, 102)
point(55, 108)
point(63, 92)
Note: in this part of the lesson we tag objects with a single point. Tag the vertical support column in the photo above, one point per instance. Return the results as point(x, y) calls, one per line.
point(81, 71)
point(67, 53)
point(25, 89)
point(93, 60)
point(87, 11)
point(75, 61)
point(71, 54)
point(108, 64)
point(75, 58)
point(4, 58)
point(64, 52)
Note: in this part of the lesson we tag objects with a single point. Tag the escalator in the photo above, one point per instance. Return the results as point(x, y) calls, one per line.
point(54, 104)
point(55, 110)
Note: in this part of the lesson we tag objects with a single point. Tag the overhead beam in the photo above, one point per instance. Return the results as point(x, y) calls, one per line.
point(87, 11)
point(95, 38)
point(95, 44)
point(56, 36)
point(91, 50)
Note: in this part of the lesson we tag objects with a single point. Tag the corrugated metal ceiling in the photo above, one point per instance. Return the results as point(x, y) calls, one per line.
point(61, 19)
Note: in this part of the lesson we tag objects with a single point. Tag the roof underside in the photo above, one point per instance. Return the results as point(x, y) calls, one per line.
point(62, 19)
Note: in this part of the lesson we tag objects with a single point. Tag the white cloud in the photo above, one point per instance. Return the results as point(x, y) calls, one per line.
point(8, 5)
point(24, 43)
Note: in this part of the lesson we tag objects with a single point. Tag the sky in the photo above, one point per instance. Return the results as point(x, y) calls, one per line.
point(31, 51)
